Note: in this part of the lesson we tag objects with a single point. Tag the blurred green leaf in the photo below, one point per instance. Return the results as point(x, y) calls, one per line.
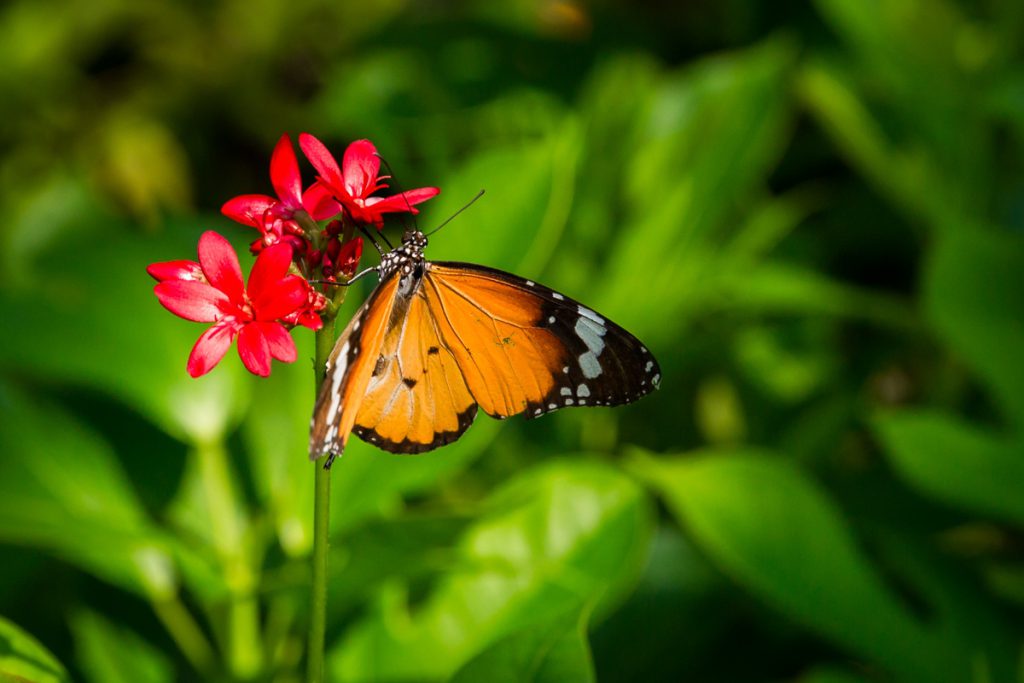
point(276, 432)
point(110, 654)
point(957, 462)
point(973, 283)
point(558, 536)
point(780, 536)
point(902, 176)
point(22, 658)
point(63, 490)
point(795, 290)
point(709, 137)
point(523, 211)
point(553, 651)
point(923, 65)
point(370, 482)
point(409, 547)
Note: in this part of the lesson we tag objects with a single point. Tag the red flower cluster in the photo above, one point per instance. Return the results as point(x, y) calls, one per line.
point(291, 248)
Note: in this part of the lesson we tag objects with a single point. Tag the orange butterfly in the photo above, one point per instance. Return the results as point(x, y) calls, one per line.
point(436, 340)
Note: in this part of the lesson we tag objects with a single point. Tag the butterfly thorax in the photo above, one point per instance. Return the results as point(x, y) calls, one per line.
point(407, 259)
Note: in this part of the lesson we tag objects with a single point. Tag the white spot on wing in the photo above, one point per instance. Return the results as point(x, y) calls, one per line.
point(551, 320)
point(587, 313)
point(552, 406)
point(589, 364)
point(530, 283)
point(565, 391)
point(583, 391)
point(591, 334)
point(650, 364)
point(556, 295)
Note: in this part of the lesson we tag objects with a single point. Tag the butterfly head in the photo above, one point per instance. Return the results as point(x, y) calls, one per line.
point(414, 238)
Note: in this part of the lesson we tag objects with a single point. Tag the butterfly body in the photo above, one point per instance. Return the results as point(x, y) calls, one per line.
point(435, 341)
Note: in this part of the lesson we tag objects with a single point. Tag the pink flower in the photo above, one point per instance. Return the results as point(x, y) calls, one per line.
point(357, 179)
point(275, 218)
point(212, 291)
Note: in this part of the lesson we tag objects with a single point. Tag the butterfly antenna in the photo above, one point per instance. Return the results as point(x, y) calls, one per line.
point(369, 235)
point(412, 211)
point(450, 218)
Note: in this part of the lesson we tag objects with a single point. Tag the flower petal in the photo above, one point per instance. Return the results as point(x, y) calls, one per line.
point(254, 350)
point(220, 265)
point(361, 165)
point(270, 267)
point(281, 344)
point(404, 201)
point(196, 301)
point(176, 270)
point(210, 348)
point(284, 297)
point(284, 174)
point(322, 160)
point(320, 202)
point(248, 209)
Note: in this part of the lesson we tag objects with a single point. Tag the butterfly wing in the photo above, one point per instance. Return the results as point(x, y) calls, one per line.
point(408, 372)
point(349, 370)
point(522, 347)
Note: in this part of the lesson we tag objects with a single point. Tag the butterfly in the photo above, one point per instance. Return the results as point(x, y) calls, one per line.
point(436, 340)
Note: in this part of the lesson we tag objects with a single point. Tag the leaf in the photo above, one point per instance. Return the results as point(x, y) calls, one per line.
point(973, 283)
point(773, 287)
point(941, 148)
point(555, 538)
point(62, 489)
point(708, 139)
point(111, 654)
point(553, 651)
point(524, 208)
point(956, 462)
point(276, 432)
point(22, 658)
point(372, 482)
point(780, 536)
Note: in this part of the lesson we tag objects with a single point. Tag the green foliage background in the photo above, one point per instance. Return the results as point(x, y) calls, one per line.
point(811, 212)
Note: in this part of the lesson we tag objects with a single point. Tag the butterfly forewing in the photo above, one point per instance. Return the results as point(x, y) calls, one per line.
point(540, 350)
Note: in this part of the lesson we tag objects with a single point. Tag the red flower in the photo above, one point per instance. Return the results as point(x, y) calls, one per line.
point(274, 218)
point(357, 179)
point(212, 291)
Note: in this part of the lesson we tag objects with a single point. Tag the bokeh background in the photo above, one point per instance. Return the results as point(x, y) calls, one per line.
point(811, 212)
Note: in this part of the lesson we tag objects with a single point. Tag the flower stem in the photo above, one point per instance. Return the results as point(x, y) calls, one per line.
point(321, 531)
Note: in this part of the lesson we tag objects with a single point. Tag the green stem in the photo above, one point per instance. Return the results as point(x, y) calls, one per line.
point(321, 532)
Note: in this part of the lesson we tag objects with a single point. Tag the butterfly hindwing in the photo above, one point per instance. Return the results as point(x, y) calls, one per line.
point(525, 348)
point(416, 399)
